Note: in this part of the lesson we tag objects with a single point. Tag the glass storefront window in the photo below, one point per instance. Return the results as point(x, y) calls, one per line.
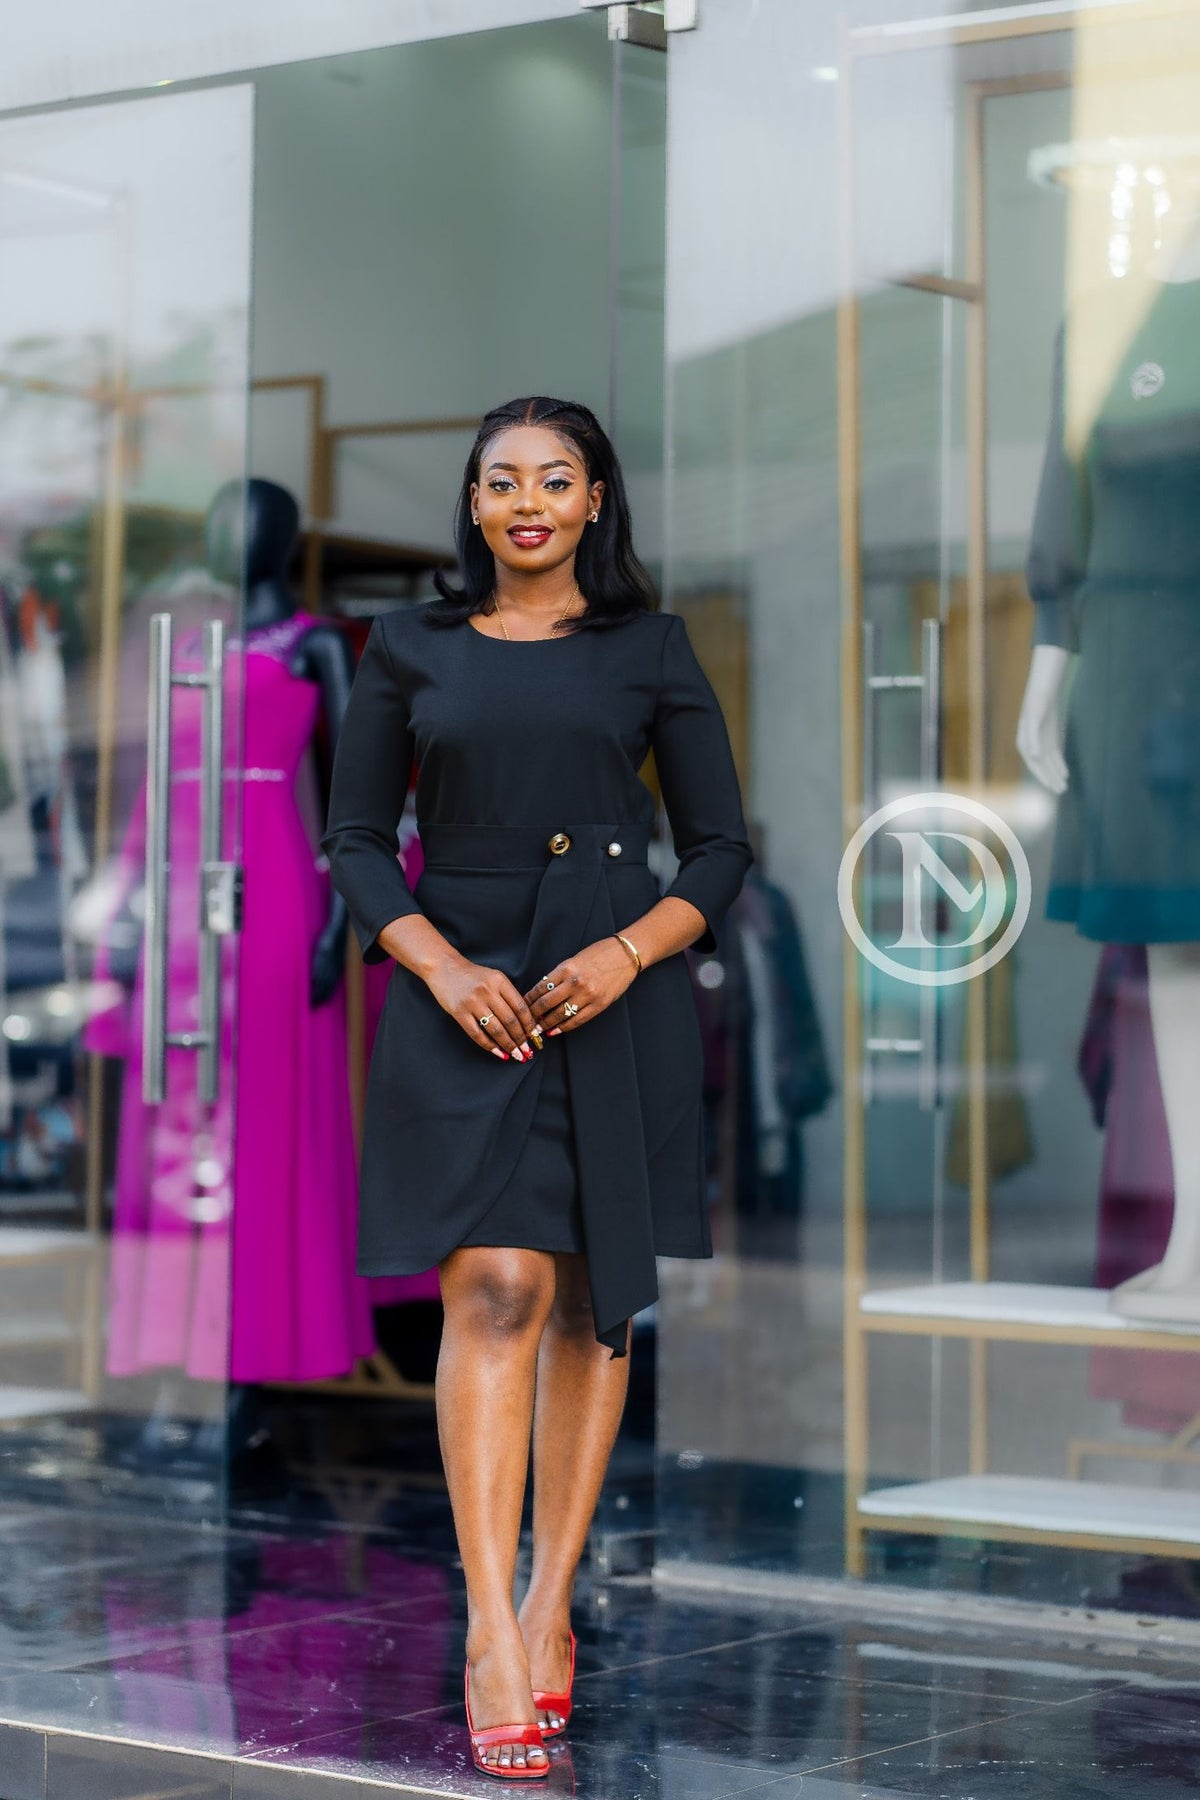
point(131, 308)
point(930, 418)
point(124, 241)
point(891, 322)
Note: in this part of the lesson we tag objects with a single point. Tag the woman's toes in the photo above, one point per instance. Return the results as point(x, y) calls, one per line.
point(514, 1756)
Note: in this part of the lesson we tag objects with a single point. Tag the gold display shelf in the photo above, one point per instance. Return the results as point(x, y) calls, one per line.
point(1015, 1313)
point(1019, 1509)
point(22, 1244)
point(19, 1404)
point(1067, 1512)
point(373, 1377)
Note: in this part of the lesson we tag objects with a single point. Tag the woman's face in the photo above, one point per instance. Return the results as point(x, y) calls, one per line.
point(533, 499)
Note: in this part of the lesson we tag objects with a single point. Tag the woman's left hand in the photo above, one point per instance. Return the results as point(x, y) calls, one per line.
point(591, 980)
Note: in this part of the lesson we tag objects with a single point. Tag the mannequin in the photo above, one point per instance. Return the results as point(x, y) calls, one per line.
point(1165, 746)
point(234, 1240)
point(257, 523)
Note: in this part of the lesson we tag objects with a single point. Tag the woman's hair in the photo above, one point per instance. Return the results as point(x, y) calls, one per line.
point(611, 579)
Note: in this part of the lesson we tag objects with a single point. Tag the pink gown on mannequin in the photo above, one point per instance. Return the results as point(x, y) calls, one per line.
point(242, 1266)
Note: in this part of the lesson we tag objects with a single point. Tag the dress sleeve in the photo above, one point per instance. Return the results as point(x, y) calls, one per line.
point(1057, 558)
point(371, 768)
point(699, 785)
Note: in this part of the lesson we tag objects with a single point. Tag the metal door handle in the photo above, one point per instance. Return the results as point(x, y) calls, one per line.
point(929, 684)
point(220, 882)
point(158, 810)
point(931, 775)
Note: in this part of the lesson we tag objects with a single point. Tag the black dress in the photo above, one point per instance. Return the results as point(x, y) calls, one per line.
point(596, 1144)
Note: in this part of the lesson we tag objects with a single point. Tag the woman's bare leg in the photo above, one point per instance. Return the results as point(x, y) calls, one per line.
point(496, 1302)
point(581, 1390)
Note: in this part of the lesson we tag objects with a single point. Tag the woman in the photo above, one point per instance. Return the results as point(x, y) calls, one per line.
point(535, 936)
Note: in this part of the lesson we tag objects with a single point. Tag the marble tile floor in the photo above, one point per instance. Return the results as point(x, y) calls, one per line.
point(144, 1660)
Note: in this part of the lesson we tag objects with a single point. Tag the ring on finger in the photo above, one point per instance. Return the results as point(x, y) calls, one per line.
point(485, 1020)
point(569, 1009)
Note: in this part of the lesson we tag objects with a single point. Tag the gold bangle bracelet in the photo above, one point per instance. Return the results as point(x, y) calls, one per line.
point(632, 948)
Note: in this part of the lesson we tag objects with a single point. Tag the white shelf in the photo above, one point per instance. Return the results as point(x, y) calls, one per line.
point(20, 1243)
point(997, 1505)
point(35, 1329)
point(36, 1403)
point(1025, 1306)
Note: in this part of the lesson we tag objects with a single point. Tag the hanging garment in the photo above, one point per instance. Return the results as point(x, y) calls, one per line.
point(40, 949)
point(535, 839)
point(1114, 570)
point(18, 853)
point(245, 1267)
point(783, 1070)
point(1118, 1065)
point(18, 856)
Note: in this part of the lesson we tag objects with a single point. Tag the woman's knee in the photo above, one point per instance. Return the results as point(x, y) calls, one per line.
point(571, 1312)
point(500, 1293)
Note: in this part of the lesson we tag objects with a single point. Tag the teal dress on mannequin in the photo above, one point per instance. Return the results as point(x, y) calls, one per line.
point(1114, 571)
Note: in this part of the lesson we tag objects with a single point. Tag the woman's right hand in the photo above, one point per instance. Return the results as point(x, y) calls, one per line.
point(469, 991)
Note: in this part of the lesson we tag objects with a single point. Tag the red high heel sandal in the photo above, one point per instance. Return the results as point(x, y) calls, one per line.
point(492, 1736)
point(559, 1703)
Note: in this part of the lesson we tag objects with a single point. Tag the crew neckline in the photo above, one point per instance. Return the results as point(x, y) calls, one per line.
point(490, 637)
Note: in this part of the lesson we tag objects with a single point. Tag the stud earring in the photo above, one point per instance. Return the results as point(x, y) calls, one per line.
point(474, 518)
point(594, 517)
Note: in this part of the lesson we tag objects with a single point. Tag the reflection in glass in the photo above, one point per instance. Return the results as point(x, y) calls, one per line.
point(985, 198)
point(125, 250)
point(262, 1289)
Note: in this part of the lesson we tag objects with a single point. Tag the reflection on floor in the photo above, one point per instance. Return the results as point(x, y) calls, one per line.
point(784, 1521)
point(312, 1648)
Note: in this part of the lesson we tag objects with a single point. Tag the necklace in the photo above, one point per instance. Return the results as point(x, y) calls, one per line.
point(576, 595)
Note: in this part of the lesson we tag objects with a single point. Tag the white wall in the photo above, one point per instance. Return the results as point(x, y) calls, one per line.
point(432, 234)
point(66, 49)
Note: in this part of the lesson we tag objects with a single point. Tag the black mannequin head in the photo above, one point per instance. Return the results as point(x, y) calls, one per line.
point(251, 529)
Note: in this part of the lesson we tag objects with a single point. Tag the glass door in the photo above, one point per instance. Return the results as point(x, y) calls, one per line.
point(1062, 727)
point(749, 1413)
point(932, 401)
point(125, 251)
